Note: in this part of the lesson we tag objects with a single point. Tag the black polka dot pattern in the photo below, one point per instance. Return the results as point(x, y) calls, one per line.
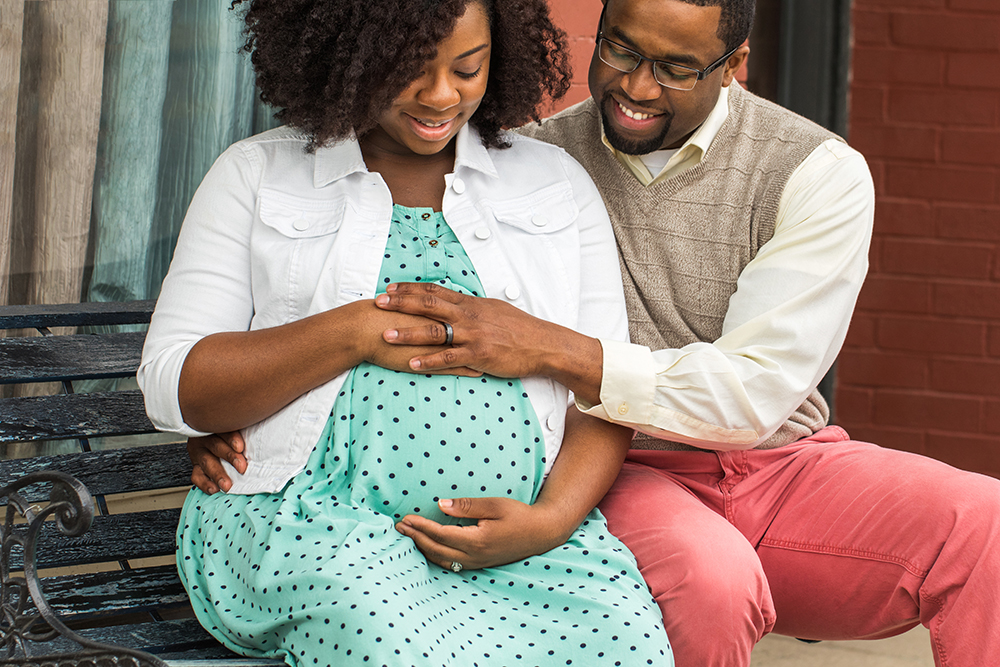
point(318, 575)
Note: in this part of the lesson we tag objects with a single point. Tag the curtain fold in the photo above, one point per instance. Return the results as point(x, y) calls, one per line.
point(111, 113)
point(58, 114)
point(11, 28)
point(128, 154)
point(210, 105)
point(177, 92)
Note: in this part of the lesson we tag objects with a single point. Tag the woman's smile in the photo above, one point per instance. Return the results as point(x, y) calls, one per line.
point(432, 130)
point(427, 115)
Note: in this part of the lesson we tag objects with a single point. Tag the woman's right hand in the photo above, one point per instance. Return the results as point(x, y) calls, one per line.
point(397, 357)
point(231, 380)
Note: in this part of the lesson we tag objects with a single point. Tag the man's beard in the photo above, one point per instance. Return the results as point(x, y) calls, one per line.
point(631, 146)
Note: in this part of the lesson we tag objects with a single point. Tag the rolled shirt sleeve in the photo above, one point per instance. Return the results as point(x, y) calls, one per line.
point(207, 287)
point(785, 324)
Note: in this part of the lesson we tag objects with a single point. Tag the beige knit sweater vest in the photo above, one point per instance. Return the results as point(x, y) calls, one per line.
point(683, 242)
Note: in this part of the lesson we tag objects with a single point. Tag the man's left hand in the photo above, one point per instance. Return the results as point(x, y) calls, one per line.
point(506, 531)
point(490, 335)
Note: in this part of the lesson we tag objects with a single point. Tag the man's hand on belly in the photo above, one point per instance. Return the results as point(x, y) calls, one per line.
point(492, 336)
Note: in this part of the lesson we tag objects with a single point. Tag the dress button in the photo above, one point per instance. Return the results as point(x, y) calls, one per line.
point(512, 292)
point(458, 185)
point(483, 233)
point(552, 422)
point(301, 224)
point(539, 220)
point(623, 409)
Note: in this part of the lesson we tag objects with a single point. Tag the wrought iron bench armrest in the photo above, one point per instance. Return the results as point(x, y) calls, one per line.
point(25, 615)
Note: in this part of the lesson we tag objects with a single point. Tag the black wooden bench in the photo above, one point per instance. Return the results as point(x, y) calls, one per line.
point(112, 582)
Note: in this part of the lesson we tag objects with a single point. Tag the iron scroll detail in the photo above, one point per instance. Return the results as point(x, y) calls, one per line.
point(26, 618)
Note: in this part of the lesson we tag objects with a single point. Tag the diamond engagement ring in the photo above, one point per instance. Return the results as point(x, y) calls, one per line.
point(456, 567)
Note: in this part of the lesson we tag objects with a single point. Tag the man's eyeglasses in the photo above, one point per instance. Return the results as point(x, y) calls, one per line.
point(666, 74)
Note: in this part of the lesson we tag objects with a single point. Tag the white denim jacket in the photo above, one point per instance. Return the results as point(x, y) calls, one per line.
point(275, 234)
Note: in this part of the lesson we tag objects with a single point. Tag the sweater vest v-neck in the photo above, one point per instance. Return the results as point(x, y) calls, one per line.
point(684, 241)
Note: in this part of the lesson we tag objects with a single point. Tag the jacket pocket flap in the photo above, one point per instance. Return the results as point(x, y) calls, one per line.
point(543, 211)
point(296, 217)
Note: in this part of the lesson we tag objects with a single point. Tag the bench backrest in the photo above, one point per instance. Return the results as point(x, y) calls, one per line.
point(110, 579)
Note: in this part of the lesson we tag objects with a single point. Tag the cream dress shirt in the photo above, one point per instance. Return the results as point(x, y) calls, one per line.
point(785, 324)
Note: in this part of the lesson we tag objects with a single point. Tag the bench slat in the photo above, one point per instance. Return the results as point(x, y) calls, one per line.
point(100, 594)
point(51, 358)
point(73, 416)
point(119, 595)
point(110, 538)
point(76, 314)
point(180, 638)
point(109, 471)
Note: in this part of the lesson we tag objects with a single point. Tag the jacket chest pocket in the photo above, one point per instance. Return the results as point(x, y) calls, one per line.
point(299, 218)
point(292, 247)
point(542, 243)
point(546, 211)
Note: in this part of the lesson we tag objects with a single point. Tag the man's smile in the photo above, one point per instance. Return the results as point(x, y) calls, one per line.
point(630, 117)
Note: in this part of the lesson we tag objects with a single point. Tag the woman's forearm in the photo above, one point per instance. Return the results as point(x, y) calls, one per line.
point(592, 453)
point(233, 379)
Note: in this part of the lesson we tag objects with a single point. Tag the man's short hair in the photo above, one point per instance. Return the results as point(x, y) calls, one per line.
point(735, 22)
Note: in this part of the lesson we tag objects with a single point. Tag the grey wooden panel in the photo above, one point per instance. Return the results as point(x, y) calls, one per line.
point(181, 643)
point(76, 314)
point(113, 593)
point(185, 638)
point(111, 538)
point(58, 417)
point(108, 471)
point(52, 358)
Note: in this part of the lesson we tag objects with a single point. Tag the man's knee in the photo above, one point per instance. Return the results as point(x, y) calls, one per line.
point(715, 600)
point(716, 579)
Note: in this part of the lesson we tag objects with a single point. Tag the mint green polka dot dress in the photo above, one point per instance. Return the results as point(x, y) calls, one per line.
point(317, 574)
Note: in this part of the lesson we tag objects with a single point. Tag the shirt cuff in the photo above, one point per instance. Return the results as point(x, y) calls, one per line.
point(628, 385)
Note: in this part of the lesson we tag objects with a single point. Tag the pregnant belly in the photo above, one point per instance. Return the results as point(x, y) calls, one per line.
point(414, 439)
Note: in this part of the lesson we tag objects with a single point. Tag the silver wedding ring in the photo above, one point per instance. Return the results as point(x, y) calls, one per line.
point(456, 567)
point(449, 335)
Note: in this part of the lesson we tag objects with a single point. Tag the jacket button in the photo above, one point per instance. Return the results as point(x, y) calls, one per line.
point(301, 224)
point(512, 292)
point(458, 185)
point(539, 220)
point(552, 422)
point(483, 233)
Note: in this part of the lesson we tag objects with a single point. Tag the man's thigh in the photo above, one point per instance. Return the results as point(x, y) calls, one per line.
point(859, 541)
point(703, 573)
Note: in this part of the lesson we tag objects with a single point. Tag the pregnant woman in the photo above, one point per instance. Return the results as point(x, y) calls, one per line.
point(394, 166)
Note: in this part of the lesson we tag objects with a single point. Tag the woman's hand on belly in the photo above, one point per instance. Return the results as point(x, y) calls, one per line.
point(233, 379)
point(506, 531)
point(494, 337)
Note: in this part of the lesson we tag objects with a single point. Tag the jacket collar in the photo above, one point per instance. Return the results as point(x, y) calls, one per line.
point(343, 158)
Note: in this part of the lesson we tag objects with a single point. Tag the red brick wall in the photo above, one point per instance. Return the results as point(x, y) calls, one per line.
point(579, 19)
point(921, 368)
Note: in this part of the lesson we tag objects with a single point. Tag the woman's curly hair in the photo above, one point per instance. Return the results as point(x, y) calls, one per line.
point(333, 66)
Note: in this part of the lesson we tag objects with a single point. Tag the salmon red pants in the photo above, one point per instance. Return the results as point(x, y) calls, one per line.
point(826, 538)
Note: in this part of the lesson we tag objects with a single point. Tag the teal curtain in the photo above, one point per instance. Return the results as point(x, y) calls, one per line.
point(177, 91)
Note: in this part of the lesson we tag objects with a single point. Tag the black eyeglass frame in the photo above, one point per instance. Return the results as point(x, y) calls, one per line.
point(700, 73)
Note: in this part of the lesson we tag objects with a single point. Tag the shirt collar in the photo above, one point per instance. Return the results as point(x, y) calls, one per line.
point(343, 158)
point(697, 144)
